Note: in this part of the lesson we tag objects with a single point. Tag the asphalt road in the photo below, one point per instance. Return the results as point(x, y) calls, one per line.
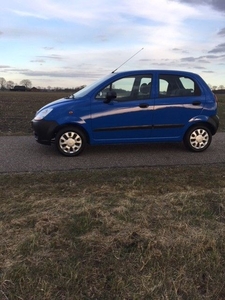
point(24, 154)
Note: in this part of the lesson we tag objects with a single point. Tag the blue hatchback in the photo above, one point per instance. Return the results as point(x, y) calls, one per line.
point(132, 107)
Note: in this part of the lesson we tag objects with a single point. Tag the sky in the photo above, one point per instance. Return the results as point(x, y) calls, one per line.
point(68, 43)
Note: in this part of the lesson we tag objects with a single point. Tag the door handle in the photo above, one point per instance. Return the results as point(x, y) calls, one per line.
point(197, 102)
point(143, 105)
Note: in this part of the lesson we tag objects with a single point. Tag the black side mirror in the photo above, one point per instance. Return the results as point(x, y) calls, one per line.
point(110, 95)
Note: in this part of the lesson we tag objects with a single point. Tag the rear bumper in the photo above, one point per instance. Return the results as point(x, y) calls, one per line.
point(214, 121)
point(44, 131)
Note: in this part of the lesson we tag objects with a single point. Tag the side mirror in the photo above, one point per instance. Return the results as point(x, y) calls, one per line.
point(110, 95)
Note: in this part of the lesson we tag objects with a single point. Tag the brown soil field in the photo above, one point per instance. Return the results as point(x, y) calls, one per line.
point(18, 108)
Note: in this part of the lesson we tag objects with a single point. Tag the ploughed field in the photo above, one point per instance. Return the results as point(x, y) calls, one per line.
point(18, 108)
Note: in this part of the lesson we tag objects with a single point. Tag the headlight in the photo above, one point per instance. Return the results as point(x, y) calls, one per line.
point(43, 113)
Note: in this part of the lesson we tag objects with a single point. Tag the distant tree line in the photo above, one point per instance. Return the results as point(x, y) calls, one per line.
point(217, 88)
point(26, 85)
point(8, 85)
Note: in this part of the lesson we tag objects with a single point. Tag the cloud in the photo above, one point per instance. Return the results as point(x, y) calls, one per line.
point(48, 48)
point(44, 58)
point(75, 11)
point(188, 59)
point(38, 61)
point(211, 57)
point(52, 56)
point(218, 49)
point(19, 70)
point(29, 14)
point(215, 4)
point(199, 67)
point(206, 59)
point(95, 12)
point(60, 74)
point(222, 31)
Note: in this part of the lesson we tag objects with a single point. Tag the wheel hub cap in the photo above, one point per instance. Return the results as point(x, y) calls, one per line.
point(199, 138)
point(70, 142)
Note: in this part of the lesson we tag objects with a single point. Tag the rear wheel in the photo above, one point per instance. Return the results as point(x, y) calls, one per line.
point(70, 141)
point(198, 138)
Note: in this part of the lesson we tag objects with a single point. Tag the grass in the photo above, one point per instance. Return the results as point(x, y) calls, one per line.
point(142, 233)
point(154, 233)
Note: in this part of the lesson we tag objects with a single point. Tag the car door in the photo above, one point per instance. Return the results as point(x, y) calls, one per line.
point(179, 100)
point(126, 118)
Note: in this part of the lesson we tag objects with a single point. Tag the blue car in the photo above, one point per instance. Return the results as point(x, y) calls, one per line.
point(132, 107)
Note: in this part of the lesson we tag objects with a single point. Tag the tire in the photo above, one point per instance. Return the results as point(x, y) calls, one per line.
point(70, 141)
point(198, 138)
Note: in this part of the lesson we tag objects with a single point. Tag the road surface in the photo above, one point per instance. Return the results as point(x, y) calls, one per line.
point(24, 154)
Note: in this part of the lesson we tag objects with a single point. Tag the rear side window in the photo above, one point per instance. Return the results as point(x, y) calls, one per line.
point(177, 86)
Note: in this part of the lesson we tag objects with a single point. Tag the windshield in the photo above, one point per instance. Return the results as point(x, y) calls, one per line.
point(92, 86)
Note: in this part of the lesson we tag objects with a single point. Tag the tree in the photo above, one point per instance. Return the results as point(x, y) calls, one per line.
point(2, 83)
point(27, 83)
point(10, 85)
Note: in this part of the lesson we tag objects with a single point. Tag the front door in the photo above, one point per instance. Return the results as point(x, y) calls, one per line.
point(128, 117)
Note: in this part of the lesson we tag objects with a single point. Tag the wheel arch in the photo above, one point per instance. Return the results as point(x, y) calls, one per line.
point(74, 125)
point(207, 124)
point(198, 137)
point(212, 123)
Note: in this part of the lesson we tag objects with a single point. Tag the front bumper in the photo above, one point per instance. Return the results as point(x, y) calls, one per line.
point(44, 131)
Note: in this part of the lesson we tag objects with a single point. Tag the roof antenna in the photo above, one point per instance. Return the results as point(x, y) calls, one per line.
point(127, 60)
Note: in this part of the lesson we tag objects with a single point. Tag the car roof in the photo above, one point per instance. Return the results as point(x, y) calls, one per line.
point(146, 71)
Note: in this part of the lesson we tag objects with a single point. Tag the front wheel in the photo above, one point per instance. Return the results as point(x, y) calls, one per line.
point(198, 138)
point(70, 141)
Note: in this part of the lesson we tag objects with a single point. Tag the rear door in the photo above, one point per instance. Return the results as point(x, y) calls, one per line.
point(178, 100)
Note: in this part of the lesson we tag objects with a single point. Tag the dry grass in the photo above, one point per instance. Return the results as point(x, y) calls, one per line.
point(154, 233)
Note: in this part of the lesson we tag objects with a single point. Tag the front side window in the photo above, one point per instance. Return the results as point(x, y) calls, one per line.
point(177, 86)
point(128, 88)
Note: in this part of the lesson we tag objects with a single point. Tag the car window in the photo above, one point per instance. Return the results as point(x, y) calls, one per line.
point(128, 88)
point(177, 86)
